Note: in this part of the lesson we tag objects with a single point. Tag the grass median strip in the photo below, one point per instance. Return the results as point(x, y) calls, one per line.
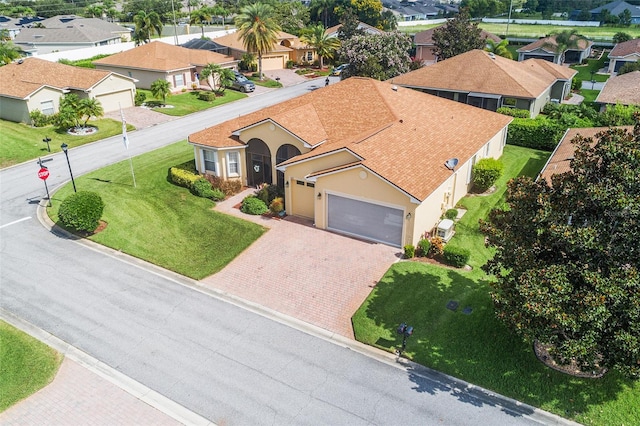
point(26, 365)
point(160, 222)
point(477, 347)
point(186, 103)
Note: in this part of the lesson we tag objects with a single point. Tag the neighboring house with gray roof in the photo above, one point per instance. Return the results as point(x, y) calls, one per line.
point(616, 8)
point(623, 53)
point(205, 44)
point(15, 25)
point(622, 89)
point(68, 33)
point(547, 48)
point(489, 81)
point(35, 84)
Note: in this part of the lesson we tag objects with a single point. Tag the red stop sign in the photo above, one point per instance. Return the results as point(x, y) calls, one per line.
point(43, 173)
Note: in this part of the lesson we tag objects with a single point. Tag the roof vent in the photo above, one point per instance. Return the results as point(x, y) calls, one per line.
point(491, 55)
point(394, 88)
point(20, 61)
point(451, 163)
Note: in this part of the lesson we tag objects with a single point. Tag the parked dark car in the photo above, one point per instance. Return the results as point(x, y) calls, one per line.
point(242, 83)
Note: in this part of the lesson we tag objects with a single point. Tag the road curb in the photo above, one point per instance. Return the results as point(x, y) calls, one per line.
point(449, 382)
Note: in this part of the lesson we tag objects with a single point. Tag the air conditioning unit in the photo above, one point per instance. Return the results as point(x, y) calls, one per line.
point(446, 229)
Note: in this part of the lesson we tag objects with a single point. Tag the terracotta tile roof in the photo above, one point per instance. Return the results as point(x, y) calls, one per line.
point(549, 44)
point(21, 80)
point(623, 89)
point(403, 135)
point(426, 37)
point(233, 41)
point(478, 71)
point(161, 56)
point(560, 159)
point(625, 49)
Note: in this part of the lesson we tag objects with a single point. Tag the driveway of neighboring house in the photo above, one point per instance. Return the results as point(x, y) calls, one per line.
point(310, 274)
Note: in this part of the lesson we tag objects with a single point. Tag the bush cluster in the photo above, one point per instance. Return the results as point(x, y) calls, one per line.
point(202, 188)
point(276, 205)
point(514, 112)
point(81, 211)
point(456, 256)
point(409, 251)
point(38, 119)
point(183, 178)
point(451, 214)
point(485, 173)
point(206, 96)
point(253, 205)
point(423, 247)
point(228, 187)
point(140, 98)
point(436, 247)
point(267, 193)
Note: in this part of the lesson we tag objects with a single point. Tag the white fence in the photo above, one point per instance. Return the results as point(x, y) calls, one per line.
point(542, 22)
point(421, 22)
point(109, 49)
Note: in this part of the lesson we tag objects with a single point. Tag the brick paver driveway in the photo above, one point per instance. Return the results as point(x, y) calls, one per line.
point(313, 275)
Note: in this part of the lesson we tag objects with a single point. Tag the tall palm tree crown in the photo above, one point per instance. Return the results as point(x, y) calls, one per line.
point(146, 25)
point(565, 40)
point(325, 46)
point(257, 29)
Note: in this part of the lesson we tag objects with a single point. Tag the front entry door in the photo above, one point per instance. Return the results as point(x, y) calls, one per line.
point(257, 171)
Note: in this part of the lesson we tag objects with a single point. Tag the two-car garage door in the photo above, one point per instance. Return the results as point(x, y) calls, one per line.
point(366, 220)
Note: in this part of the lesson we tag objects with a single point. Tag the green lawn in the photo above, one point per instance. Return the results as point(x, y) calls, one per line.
point(267, 82)
point(160, 222)
point(26, 365)
point(589, 95)
point(584, 71)
point(21, 142)
point(477, 347)
point(188, 102)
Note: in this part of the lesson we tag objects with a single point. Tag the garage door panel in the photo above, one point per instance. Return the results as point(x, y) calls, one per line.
point(272, 63)
point(366, 220)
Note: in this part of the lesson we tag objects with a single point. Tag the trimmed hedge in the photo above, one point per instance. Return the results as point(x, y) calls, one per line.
point(456, 256)
point(81, 211)
point(423, 247)
point(207, 96)
point(183, 178)
point(451, 214)
point(202, 188)
point(485, 173)
point(540, 133)
point(514, 112)
point(253, 205)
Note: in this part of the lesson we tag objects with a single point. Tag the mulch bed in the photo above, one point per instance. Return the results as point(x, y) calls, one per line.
point(542, 352)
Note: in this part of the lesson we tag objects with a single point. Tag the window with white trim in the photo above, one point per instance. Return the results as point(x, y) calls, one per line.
point(179, 79)
point(210, 161)
point(46, 107)
point(309, 56)
point(233, 163)
point(487, 149)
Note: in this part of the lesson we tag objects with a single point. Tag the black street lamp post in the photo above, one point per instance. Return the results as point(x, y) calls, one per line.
point(65, 147)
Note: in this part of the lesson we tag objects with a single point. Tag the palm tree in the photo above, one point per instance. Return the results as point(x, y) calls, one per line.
point(146, 25)
point(258, 30)
point(498, 48)
point(90, 107)
point(218, 78)
point(160, 89)
point(200, 17)
point(8, 52)
point(322, 9)
point(315, 36)
point(563, 41)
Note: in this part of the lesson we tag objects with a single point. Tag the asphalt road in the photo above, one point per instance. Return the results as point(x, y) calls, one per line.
point(223, 362)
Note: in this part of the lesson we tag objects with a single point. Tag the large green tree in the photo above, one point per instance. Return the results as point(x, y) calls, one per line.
point(258, 30)
point(566, 271)
point(293, 16)
point(8, 52)
point(457, 36)
point(317, 38)
point(324, 11)
point(498, 48)
point(379, 56)
point(201, 17)
point(621, 37)
point(485, 8)
point(217, 78)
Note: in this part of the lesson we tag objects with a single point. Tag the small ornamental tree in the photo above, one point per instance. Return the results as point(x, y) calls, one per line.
point(567, 263)
point(81, 211)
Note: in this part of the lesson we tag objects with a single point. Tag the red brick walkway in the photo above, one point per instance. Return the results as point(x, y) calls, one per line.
point(313, 275)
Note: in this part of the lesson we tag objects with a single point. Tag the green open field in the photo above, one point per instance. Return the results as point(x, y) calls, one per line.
point(536, 31)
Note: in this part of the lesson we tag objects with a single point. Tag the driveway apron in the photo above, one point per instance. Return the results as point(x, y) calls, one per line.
point(310, 274)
